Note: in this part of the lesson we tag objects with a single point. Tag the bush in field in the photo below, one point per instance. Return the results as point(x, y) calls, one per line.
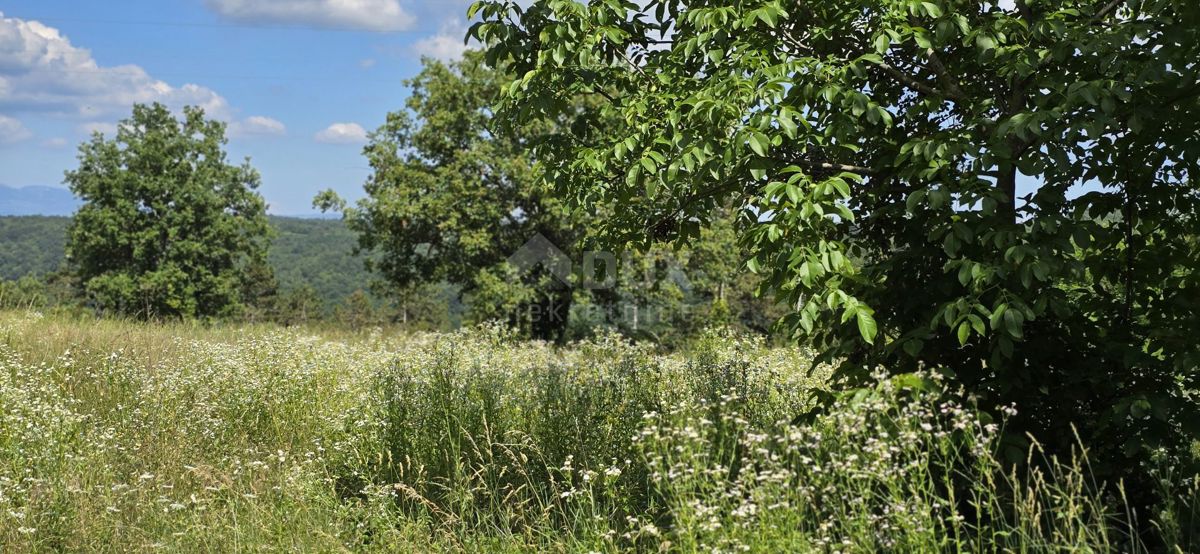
point(24, 293)
point(167, 227)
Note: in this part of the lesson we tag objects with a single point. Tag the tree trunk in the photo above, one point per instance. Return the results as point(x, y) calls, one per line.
point(553, 311)
point(1008, 185)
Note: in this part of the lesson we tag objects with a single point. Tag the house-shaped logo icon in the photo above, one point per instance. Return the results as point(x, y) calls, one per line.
point(539, 250)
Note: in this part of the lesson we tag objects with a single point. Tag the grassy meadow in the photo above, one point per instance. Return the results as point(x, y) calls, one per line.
point(120, 436)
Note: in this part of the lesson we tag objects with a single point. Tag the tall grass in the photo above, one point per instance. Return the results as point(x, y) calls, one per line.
point(118, 436)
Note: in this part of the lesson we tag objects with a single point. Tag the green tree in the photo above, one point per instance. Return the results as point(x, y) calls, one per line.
point(875, 149)
point(357, 311)
point(725, 293)
point(260, 291)
point(449, 200)
point(299, 306)
point(424, 306)
point(167, 227)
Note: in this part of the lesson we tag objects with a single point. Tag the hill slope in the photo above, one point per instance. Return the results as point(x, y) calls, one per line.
point(31, 245)
point(316, 252)
point(319, 253)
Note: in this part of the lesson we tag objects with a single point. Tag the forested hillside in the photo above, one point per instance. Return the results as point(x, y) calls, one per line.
point(31, 245)
point(319, 253)
point(313, 252)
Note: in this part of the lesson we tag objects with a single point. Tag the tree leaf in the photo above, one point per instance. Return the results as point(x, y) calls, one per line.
point(866, 326)
point(759, 144)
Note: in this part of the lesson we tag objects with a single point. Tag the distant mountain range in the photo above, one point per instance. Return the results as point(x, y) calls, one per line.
point(37, 201)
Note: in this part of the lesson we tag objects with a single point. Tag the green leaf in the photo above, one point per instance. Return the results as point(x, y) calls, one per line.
point(866, 326)
point(1012, 324)
point(997, 316)
point(758, 143)
point(769, 16)
point(793, 193)
point(471, 11)
point(633, 175)
point(915, 198)
point(882, 43)
point(786, 123)
point(841, 186)
point(964, 333)
point(977, 324)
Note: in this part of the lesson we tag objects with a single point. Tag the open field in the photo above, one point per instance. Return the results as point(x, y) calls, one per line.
point(132, 437)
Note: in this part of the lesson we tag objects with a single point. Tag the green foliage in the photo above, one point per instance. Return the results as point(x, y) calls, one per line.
point(451, 198)
point(357, 311)
point(318, 253)
point(450, 201)
point(298, 306)
point(24, 293)
point(873, 150)
point(167, 228)
point(31, 245)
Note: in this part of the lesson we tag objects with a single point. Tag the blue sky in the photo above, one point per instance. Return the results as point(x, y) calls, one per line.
point(298, 81)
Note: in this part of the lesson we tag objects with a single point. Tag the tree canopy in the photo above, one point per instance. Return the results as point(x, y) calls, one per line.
point(449, 200)
point(1002, 189)
point(453, 198)
point(167, 228)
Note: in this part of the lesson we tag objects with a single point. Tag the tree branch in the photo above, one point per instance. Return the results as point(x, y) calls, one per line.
point(636, 67)
point(1106, 11)
point(844, 167)
point(955, 93)
point(1023, 8)
point(828, 166)
point(911, 82)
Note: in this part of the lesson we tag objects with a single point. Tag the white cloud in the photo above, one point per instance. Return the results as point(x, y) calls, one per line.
point(257, 125)
point(367, 15)
point(366, 63)
point(12, 131)
point(56, 142)
point(40, 70)
point(446, 45)
point(342, 133)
